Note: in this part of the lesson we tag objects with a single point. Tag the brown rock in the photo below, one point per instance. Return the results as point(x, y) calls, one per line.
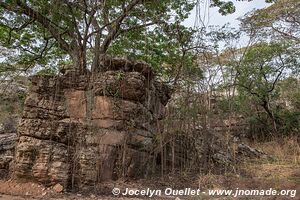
point(249, 152)
point(108, 123)
point(43, 160)
point(130, 85)
point(7, 146)
point(58, 188)
point(118, 109)
point(76, 103)
point(62, 131)
point(126, 65)
point(41, 107)
point(109, 63)
point(105, 137)
point(89, 128)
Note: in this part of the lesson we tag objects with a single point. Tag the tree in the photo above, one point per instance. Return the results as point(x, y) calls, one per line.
point(83, 29)
point(280, 21)
point(260, 71)
point(228, 7)
point(169, 50)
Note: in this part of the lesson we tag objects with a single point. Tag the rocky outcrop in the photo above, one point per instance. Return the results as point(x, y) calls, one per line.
point(79, 130)
point(7, 146)
point(209, 151)
point(246, 151)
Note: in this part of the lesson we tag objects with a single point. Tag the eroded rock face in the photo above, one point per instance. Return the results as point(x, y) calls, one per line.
point(7, 146)
point(81, 130)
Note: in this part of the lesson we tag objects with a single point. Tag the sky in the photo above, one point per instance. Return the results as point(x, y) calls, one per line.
point(213, 17)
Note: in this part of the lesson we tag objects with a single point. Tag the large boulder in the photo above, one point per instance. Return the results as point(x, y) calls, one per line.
point(80, 130)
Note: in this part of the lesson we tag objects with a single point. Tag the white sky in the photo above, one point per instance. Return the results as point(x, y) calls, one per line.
point(213, 17)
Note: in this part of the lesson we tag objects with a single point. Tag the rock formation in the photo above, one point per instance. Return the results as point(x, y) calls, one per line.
point(7, 146)
point(79, 130)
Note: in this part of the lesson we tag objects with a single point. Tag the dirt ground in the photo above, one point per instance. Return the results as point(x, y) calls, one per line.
point(281, 173)
point(12, 190)
point(252, 176)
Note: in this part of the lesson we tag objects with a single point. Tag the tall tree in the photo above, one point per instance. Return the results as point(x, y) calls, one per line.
point(262, 68)
point(81, 29)
point(84, 30)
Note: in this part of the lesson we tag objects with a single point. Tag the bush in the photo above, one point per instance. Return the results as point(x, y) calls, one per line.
point(289, 122)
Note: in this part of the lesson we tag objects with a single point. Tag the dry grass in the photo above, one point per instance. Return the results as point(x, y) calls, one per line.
point(281, 172)
point(285, 151)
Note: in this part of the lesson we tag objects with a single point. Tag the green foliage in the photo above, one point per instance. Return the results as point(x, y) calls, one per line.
point(166, 48)
point(280, 21)
point(237, 104)
point(262, 67)
point(262, 81)
point(289, 122)
point(227, 7)
point(47, 32)
point(47, 71)
point(120, 75)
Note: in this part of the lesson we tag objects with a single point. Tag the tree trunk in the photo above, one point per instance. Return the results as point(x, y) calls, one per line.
point(79, 60)
point(265, 105)
point(96, 59)
point(96, 65)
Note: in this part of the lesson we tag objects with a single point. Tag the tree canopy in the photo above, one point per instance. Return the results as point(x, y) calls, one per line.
point(83, 30)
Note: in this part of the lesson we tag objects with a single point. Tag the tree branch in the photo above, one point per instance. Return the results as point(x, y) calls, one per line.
point(115, 31)
point(137, 27)
point(44, 21)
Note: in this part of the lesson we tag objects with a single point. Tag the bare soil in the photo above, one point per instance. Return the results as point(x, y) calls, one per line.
point(281, 173)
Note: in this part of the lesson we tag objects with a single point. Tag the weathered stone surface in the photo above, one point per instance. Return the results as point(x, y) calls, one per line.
point(130, 86)
point(123, 64)
point(59, 131)
point(76, 103)
point(80, 131)
point(109, 123)
point(96, 164)
point(39, 106)
point(118, 109)
point(4, 162)
point(7, 142)
point(7, 146)
point(163, 92)
point(105, 137)
point(73, 80)
point(44, 160)
point(136, 163)
point(47, 87)
point(58, 188)
point(249, 152)
point(40, 113)
point(157, 97)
